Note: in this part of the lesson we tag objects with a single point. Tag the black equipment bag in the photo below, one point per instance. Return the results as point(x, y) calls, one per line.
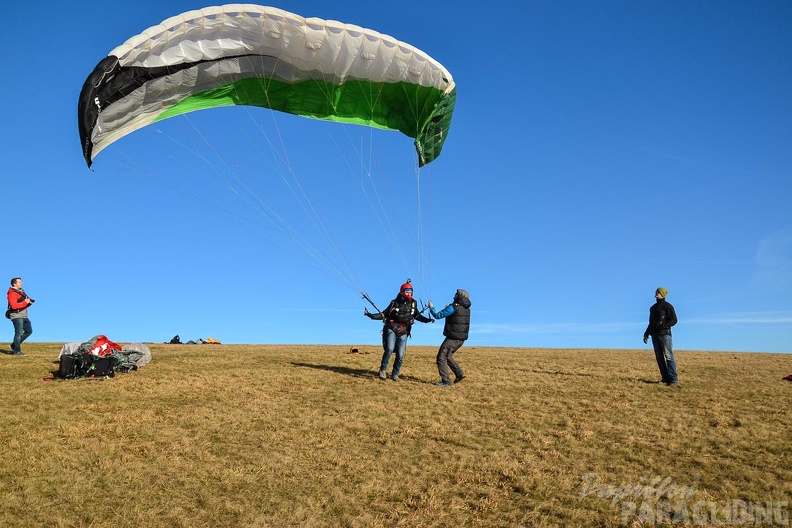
point(74, 366)
point(71, 366)
point(102, 366)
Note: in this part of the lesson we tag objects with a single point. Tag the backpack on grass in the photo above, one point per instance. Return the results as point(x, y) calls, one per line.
point(73, 366)
point(101, 367)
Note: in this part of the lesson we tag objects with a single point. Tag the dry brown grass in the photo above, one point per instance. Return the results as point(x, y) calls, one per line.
point(260, 436)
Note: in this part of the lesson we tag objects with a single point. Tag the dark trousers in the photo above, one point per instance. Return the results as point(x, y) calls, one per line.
point(445, 359)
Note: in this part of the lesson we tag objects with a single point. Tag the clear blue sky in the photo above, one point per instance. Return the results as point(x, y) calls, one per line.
point(598, 150)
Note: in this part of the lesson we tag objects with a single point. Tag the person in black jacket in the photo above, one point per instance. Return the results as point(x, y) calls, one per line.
point(662, 317)
point(456, 331)
point(398, 319)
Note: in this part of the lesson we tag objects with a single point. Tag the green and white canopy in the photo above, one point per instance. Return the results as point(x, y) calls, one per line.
point(244, 54)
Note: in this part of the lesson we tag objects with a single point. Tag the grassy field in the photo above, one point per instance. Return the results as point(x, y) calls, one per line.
point(280, 436)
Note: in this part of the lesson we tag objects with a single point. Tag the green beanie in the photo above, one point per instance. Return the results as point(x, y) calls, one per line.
point(663, 291)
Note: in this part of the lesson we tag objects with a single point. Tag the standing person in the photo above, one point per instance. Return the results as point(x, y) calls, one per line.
point(456, 330)
point(398, 319)
point(661, 318)
point(18, 303)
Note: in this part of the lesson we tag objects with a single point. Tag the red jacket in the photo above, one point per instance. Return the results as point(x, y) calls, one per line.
point(17, 299)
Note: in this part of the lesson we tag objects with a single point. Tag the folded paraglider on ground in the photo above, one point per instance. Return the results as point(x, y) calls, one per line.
point(100, 357)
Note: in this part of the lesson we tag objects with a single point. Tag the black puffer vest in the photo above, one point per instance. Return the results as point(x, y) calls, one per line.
point(457, 325)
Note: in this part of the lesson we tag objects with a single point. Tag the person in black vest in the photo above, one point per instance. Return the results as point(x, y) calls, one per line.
point(398, 319)
point(457, 328)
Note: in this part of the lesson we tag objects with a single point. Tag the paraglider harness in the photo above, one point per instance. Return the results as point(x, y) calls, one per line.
point(400, 314)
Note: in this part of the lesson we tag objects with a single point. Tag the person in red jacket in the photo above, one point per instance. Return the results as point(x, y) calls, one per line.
point(18, 303)
point(398, 319)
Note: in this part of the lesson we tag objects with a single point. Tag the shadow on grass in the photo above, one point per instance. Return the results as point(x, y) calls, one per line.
point(355, 373)
point(562, 373)
point(553, 372)
point(358, 373)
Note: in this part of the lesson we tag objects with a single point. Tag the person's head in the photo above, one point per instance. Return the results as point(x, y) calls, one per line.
point(661, 293)
point(406, 290)
point(461, 294)
point(16, 282)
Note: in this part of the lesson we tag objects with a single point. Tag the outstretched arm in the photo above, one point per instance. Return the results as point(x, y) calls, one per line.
point(445, 312)
point(375, 316)
point(422, 318)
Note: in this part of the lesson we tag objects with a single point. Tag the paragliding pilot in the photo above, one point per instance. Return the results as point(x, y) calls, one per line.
point(398, 319)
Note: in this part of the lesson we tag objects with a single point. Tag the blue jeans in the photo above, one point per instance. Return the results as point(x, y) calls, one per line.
point(392, 343)
point(665, 358)
point(22, 330)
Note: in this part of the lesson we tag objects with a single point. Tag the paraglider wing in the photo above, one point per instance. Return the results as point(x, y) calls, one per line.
point(244, 54)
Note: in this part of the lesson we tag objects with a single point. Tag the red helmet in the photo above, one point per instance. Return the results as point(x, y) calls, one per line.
point(406, 290)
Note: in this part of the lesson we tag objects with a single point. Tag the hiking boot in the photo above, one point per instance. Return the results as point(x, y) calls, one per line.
point(444, 384)
point(382, 375)
point(460, 378)
point(395, 377)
